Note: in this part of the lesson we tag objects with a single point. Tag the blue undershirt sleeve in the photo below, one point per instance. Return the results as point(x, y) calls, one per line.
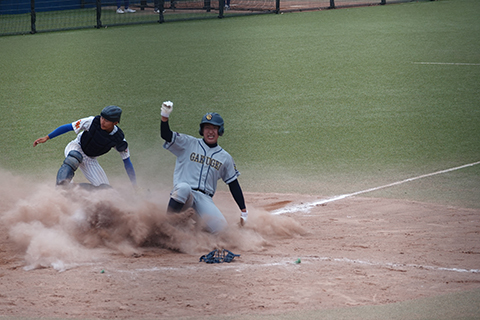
point(60, 130)
point(130, 171)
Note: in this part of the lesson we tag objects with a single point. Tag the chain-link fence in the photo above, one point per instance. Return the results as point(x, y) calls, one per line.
point(32, 16)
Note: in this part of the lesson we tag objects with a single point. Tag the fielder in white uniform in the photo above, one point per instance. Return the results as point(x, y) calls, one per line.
point(95, 137)
point(200, 163)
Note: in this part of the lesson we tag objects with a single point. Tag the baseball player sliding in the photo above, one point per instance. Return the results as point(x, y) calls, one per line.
point(95, 137)
point(200, 163)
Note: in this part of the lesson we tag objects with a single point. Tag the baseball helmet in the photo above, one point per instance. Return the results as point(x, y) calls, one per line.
point(112, 113)
point(215, 119)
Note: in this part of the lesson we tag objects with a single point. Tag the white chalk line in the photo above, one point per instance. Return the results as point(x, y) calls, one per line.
point(239, 266)
point(307, 206)
point(399, 265)
point(450, 63)
point(284, 263)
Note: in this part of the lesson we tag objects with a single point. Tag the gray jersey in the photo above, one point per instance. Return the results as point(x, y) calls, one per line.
point(199, 165)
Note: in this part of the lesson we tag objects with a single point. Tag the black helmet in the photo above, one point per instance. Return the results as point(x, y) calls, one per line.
point(212, 118)
point(112, 113)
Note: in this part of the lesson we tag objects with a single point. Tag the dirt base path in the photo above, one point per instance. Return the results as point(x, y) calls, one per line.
point(70, 258)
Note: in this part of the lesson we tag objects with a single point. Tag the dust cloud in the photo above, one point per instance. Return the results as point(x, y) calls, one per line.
point(64, 228)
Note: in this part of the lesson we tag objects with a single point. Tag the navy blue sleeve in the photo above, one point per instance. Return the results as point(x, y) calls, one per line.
point(60, 130)
point(165, 131)
point(237, 193)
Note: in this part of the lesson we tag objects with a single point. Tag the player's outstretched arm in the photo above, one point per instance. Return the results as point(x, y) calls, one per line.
point(41, 140)
point(60, 130)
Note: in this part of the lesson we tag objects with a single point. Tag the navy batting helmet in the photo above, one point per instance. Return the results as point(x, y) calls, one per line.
point(112, 113)
point(215, 119)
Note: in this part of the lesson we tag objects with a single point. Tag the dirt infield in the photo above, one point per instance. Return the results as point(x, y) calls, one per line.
point(81, 256)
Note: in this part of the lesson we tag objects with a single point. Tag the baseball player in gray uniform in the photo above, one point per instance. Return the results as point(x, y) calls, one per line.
point(95, 137)
point(200, 163)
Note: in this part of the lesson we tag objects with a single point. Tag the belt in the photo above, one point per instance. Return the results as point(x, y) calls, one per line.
point(203, 191)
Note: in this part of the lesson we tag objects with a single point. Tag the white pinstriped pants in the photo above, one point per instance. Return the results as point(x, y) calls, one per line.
point(90, 167)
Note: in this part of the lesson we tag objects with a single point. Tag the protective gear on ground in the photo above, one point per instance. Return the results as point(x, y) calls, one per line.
point(214, 119)
point(70, 165)
point(219, 256)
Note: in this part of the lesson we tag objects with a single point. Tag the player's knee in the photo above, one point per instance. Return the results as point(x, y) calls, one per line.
point(73, 159)
point(183, 188)
point(174, 206)
point(181, 192)
point(70, 165)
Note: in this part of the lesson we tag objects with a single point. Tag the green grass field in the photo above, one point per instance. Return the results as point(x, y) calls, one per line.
point(325, 102)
